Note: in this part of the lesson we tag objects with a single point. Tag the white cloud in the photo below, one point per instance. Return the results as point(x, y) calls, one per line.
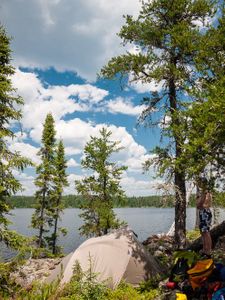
point(76, 35)
point(137, 187)
point(53, 99)
point(135, 164)
point(165, 122)
point(119, 105)
point(142, 87)
point(27, 182)
point(26, 150)
point(72, 163)
point(71, 188)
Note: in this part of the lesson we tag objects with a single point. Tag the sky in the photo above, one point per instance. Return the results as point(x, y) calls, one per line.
point(58, 49)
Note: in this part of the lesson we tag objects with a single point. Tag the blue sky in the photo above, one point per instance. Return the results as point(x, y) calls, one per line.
point(58, 48)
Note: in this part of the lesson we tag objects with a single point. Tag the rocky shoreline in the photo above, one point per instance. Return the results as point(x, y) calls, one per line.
point(160, 246)
point(34, 270)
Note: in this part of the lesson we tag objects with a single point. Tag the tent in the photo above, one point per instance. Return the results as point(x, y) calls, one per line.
point(118, 255)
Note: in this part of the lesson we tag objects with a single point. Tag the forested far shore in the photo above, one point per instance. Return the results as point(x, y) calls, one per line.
point(74, 201)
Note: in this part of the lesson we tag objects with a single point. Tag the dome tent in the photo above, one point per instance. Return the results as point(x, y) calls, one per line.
point(116, 256)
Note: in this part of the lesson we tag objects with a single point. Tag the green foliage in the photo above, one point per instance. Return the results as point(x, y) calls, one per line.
point(51, 180)
point(39, 292)
point(10, 105)
point(203, 153)
point(7, 286)
point(84, 285)
point(219, 199)
point(100, 189)
point(126, 292)
point(41, 218)
point(123, 292)
point(190, 256)
point(57, 205)
point(13, 239)
point(168, 42)
point(193, 234)
point(75, 201)
point(149, 285)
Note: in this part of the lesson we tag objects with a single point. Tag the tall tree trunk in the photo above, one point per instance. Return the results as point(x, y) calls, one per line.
point(180, 210)
point(179, 174)
point(41, 230)
point(171, 231)
point(197, 211)
point(56, 225)
point(105, 230)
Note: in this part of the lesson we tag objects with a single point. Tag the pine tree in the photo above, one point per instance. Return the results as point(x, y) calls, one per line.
point(57, 206)
point(100, 189)
point(9, 112)
point(168, 41)
point(41, 219)
point(204, 149)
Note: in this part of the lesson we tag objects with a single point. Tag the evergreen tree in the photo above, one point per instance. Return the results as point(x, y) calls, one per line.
point(204, 149)
point(41, 219)
point(168, 40)
point(102, 187)
point(57, 205)
point(9, 112)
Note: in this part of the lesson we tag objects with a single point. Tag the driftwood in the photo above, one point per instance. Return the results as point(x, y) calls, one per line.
point(216, 232)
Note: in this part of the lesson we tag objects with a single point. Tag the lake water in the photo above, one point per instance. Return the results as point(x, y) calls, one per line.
point(143, 221)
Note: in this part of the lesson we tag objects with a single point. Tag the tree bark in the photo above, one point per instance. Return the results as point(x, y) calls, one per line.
point(216, 232)
point(41, 229)
point(171, 231)
point(56, 225)
point(179, 174)
point(197, 210)
point(180, 211)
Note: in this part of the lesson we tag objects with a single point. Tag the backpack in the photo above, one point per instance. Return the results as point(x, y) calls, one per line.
point(200, 272)
point(219, 294)
point(179, 270)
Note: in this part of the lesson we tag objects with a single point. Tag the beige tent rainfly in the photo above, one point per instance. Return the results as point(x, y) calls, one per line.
point(115, 256)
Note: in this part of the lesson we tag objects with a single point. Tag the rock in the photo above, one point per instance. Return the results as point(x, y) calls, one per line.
point(34, 269)
point(158, 253)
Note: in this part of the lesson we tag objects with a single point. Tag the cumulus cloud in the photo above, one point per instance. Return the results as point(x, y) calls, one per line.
point(26, 150)
point(27, 182)
point(142, 87)
point(135, 164)
point(79, 36)
point(137, 187)
point(58, 100)
point(75, 132)
point(72, 163)
point(124, 106)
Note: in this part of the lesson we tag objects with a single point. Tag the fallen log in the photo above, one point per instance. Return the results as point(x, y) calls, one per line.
point(216, 232)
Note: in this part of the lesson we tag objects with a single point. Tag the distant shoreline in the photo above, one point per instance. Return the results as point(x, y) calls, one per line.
point(74, 201)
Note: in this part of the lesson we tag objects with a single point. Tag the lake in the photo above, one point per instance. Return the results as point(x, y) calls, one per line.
point(143, 221)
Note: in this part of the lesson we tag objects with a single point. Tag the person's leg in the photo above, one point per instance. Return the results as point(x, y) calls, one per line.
point(208, 245)
point(207, 242)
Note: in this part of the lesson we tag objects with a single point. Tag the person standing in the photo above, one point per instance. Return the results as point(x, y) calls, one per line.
point(204, 203)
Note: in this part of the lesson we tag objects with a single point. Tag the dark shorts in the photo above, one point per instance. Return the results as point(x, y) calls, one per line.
point(205, 219)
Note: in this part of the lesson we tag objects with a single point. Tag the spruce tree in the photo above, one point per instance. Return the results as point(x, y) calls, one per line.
point(57, 206)
point(100, 189)
point(168, 40)
point(41, 218)
point(10, 112)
